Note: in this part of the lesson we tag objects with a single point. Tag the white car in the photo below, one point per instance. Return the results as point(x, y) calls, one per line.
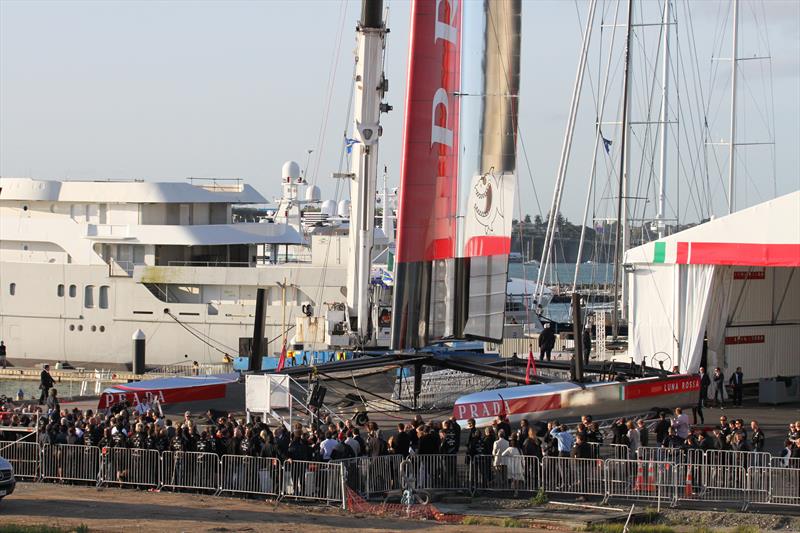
point(7, 481)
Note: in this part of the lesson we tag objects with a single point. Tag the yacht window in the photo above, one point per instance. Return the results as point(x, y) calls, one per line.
point(12, 289)
point(60, 290)
point(88, 296)
point(104, 297)
point(73, 291)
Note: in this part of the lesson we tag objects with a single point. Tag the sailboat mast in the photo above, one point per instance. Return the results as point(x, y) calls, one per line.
point(619, 249)
point(370, 86)
point(662, 170)
point(732, 143)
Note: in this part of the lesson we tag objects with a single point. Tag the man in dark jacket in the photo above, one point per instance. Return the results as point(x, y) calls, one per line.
point(402, 441)
point(662, 427)
point(758, 438)
point(737, 382)
point(474, 439)
point(547, 341)
point(46, 383)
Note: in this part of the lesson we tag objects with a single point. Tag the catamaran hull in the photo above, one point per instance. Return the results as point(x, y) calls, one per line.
point(569, 401)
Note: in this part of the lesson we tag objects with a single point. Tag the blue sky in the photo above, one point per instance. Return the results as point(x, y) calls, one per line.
point(168, 90)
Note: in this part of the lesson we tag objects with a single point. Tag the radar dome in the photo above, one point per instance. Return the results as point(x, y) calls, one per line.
point(329, 208)
point(290, 170)
point(313, 194)
point(344, 209)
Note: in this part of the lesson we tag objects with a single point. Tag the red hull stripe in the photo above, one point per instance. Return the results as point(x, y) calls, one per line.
point(722, 253)
point(484, 246)
point(494, 408)
point(661, 387)
point(164, 396)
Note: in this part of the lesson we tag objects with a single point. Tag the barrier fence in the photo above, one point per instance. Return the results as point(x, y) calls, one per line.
point(664, 476)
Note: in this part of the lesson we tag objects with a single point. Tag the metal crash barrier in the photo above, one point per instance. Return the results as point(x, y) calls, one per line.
point(372, 477)
point(568, 475)
point(641, 480)
point(250, 475)
point(313, 481)
point(517, 473)
point(716, 476)
point(130, 466)
point(436, 472)
point(25, 458)
point(189, 470)
point(71, 462)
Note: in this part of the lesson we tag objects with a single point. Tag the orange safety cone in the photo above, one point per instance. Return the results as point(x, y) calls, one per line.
point(688, 489)
point(639, 478)
point(651, 478)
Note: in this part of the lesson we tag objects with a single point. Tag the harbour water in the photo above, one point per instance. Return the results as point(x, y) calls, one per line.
point(562, 273)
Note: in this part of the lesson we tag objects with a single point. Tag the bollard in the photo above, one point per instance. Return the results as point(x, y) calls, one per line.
point(138, 351)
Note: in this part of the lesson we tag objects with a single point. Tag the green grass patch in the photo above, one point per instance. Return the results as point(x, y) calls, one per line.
point(702, 529)
point(745, 529)
point(19, 528)
point(512, 522)
point(540, 498)
point(471, 521)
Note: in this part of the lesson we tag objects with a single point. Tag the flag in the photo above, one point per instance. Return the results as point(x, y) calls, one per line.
point(606, 144)
point(531, 366)
point(282, 360)
point(348, 144)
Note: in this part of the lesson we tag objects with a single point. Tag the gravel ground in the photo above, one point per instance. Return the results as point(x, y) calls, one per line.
point(112, 510)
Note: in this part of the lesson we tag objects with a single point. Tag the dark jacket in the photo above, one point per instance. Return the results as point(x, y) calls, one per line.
point(547, 339)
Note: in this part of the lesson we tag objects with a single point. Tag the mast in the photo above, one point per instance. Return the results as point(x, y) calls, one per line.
point(563, 163)
point(370, 86)
point(622, 219)
point(387, 225)
point(732, 143)
point(597, 137)
point(662, 168)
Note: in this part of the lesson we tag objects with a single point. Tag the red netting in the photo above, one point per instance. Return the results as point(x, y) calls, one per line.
point(418, 511)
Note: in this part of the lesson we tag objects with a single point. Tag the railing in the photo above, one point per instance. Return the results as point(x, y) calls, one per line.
point(703, 477)
point(241, 474)
point(308, 480)
point(208, 264)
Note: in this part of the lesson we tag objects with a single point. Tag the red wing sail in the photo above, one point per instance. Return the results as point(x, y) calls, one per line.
point(458, 171)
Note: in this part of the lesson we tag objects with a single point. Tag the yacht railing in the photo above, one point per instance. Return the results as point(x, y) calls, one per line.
point(209, 263)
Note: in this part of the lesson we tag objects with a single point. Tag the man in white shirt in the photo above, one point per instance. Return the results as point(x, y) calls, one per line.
point(327, 446)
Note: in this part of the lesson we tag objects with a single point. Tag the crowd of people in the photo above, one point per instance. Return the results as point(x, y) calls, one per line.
point(326, 440)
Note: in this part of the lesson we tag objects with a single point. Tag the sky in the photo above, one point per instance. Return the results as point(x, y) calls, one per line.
point(165, 90)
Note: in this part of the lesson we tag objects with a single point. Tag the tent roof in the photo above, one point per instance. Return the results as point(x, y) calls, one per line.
point(767, 234)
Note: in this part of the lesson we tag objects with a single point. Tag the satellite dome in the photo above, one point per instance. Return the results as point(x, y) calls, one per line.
point(290, 170)
point(329, 208)
point(313, 194)
point(344, 209)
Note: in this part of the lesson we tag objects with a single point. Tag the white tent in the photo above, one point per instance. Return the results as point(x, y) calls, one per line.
point(734, 280)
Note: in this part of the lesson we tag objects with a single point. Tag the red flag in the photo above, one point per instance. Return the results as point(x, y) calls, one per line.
point(282, 360)
point(531, 365)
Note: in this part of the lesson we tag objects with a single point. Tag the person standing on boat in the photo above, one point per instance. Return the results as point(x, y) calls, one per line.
point(587, 343)
point(547, 341)
point(46, 383)
point(3, 355)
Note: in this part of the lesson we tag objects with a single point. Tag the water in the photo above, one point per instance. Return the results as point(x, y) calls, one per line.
point(562, 273)
point(30, 388)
